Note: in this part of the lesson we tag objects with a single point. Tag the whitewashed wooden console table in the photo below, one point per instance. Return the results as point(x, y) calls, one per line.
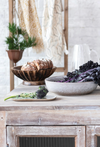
point(71, 116)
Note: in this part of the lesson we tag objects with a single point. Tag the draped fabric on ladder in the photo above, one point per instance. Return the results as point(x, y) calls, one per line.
point(52, 30)
point(28, 20)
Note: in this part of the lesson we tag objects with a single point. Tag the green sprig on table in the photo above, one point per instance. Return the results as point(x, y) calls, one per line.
point(39, 94)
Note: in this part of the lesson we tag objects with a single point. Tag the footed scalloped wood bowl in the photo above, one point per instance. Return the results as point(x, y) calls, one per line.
point(32, 75)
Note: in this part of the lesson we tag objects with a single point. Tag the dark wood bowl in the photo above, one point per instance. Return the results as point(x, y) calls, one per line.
point(32, 75)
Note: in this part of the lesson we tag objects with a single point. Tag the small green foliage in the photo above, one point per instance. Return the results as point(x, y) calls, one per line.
point(19, 39)
point(12, 28)
point(41, 87)
point(39, 94)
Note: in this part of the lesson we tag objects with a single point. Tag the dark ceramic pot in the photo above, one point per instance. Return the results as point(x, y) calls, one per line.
point(15, 55)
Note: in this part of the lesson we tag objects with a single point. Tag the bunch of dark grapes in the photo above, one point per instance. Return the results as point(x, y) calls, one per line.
point(89, 65)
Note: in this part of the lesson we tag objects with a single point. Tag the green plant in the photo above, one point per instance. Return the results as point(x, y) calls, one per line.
point(39, 94)
point(19, 39)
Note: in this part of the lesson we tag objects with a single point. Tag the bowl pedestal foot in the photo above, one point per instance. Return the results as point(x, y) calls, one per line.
point(30, 83)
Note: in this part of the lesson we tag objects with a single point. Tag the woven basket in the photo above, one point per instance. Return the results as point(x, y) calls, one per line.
point(32, 75)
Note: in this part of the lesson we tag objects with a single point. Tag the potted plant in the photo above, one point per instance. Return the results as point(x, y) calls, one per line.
point(17, 42)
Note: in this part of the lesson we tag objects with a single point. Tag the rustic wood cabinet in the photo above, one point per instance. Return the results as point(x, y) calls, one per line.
point(93, 136)
point(67, 117)
point(14, 132)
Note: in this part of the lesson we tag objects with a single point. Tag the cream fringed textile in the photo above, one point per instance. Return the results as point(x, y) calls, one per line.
point(52, 31)
point(29, 21)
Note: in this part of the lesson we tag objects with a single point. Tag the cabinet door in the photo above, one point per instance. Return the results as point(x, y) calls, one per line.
point(46, 136)
point(93, 136)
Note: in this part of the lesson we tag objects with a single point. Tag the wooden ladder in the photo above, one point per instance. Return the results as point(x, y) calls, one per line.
point(59, 69)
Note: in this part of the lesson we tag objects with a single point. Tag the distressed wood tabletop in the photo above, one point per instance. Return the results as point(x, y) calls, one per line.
point(83, 110)
point(89, 101)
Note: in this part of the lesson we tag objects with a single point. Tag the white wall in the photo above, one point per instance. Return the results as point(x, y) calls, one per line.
point(84, 27)
point(84, 24)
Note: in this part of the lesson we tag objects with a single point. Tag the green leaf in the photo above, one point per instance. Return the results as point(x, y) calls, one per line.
point(15, 41)
point(12, 28)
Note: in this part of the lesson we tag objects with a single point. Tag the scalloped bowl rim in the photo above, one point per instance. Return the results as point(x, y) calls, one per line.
point(14, 68)
point(33, 75)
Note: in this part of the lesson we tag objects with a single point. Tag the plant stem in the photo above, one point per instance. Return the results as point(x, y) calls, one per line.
point(9, 97)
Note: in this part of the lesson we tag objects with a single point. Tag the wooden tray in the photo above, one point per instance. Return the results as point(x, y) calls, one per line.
point(47, 98)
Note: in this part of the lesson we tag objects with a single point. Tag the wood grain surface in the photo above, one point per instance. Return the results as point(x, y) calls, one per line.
point(11, 62)
point(92, 132)
point(84, 102)
point(2, 129)
point(66, 34)
point(34, 75)
point(54, 117)
point(65, 131)
point(67, 111)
